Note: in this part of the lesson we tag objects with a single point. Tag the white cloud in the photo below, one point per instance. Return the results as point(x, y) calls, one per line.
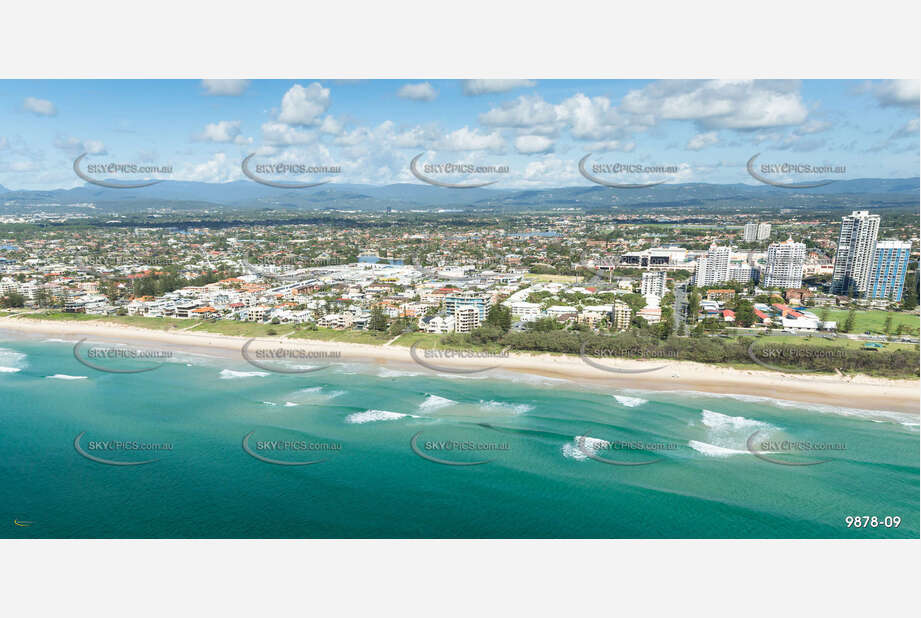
point(302, 106)
point(225, 87)
point(910, 129)
point(721, 104)
point(812, 127)
point(331, 126)
point(896, 92)
point(592, 118)
point(702, 140)
point(466, 139)
point(75, 146)
point(217, 169)
point(532, 144)
point(525, 112)
point(423, 91)
point(277, 133)
point(474, 87)
point(612, 144)
point(39, 107)
point(586, 118)
point(223, 132)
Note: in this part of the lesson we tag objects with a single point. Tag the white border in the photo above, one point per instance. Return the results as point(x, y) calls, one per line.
point(470, 38)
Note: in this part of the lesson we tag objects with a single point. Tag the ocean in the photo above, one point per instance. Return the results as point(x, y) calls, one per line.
point(380, 448)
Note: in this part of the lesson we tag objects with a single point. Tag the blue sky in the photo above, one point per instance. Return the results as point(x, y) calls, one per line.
point(540, 129)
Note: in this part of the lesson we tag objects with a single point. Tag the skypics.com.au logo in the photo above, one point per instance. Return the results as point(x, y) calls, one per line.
point(100, 174)
point(625, 359)
point(457, 361)
point(625, 170)
point(287, 359)
point(429, 172)
point(785, 358)
point(114, 447)
point(256, 448)
point(119, 358)
point(784, 173)
point(263, 173)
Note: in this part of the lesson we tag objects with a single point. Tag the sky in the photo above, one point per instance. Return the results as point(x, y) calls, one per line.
point(706, 130)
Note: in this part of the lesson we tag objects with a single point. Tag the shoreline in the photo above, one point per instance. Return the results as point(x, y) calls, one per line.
point(863, 392)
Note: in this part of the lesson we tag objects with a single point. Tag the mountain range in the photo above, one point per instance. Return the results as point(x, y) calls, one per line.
point(244, 194)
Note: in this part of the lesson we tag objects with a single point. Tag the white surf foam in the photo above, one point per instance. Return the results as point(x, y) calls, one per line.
point(62, 376)
point(370, 416)
point(11, 360)
point(318, 390)
point(230, 374)
point(385, 372)
point(712, 450)
point(433, 402)
point(514, 408)
point(583, 446)
point(728, 435)
point(722, 422)
point(630, 402)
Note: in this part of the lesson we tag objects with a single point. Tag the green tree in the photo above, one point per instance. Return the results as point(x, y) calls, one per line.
point(745, 313)
point(13, 299)
point(849, 322)
point(378, 319)
point(500, 317)
point(910, 291)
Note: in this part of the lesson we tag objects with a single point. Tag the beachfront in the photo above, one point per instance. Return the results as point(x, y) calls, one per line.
point(860, 391)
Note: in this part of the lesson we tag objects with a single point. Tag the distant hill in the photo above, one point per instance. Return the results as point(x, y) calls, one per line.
point(245, 194)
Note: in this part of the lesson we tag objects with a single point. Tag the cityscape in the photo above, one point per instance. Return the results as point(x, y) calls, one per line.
point(459, 309)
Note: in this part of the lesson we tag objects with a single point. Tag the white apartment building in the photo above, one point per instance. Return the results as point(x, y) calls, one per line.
point(437, 325)
point(856, 249)
point(466, 319)
point(525, 311)
point(653, 283)
point(784, 265)
point(741, 272)
point(713, 267)
point(620, 316)
point(756, 231)
point(557, 311)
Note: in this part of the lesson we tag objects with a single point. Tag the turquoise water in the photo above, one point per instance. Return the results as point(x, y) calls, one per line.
point(539, 480)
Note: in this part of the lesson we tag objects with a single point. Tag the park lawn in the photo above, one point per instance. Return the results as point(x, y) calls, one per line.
point(234, 328)
point(344, 336)
point(60, 315)
point(154, 323)
point(873, 321)
point(425, 340)
point(836, 342)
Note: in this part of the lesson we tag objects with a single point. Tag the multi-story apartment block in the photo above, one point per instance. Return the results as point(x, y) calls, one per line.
point(854, 257)
point(890, 263)
point(714, 267)
point(653, 283)
point(620, 315)
point(784, 265)
point(479, 302)
point(756, 231)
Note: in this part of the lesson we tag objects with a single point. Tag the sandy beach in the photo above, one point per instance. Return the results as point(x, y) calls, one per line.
point(862, 392)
